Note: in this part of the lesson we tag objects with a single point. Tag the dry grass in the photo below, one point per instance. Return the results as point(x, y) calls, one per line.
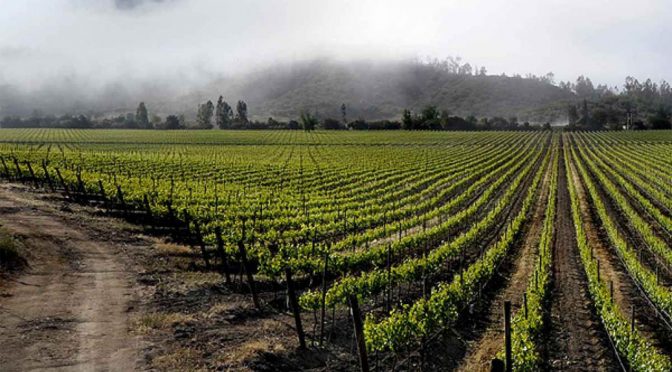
point(159, 321)
point(170, 249)
point(246, 351)
point(220, 308)
point(181, 359)
point(199, 279)
point(191, 279)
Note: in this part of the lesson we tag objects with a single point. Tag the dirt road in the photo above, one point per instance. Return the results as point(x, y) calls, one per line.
point(72, 308)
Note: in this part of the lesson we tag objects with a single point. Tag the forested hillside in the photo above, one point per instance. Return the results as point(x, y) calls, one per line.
point(380, 90)
point(383, 90)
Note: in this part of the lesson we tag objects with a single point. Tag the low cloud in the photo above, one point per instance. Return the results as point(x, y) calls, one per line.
point(13, 52)
point(132, 4)
point(183, 43)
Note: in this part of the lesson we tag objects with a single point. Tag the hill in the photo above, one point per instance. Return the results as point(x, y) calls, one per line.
point(371, 90)
point(382, 91)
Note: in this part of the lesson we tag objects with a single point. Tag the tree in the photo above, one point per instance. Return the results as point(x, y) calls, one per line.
point(241, 112)
point(513, 122)
point(332, 124)
point(204, 117)
point(599, 117)
point(308, 121)
point(79, 121)
point(499, 123)
point(172, 122)
point(223, 114)
point(155, 122)
point(585, 114)
point(660, 119)
point(471, 122)
point(566, 86)
point(293, 125)
point(407, 120)
point(457, 123)
point(572, 115)
point(584, 87)
point(484, 124)
point(429, 118)
point(465, 69)
point(141, 116)
point(183, 121)
point(272, 123)
point(549, 78)
point(129, 121)
point(359, 124)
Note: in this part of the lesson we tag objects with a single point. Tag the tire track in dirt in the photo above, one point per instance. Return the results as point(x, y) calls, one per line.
point(576, 339)
point(71, 309)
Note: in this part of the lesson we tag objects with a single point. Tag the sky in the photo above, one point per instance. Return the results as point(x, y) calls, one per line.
point(102, 41)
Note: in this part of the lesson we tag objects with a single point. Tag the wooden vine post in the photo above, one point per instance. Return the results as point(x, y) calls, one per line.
point(19, 174)
point(359, 332)
point(507, 336)
point(32, 175)
point(187, 226)
point(425, 277)
point(388, 300)
point(103, 195)
point(80, 184)
point(324, 291)
point(296, 310)
point(47, 176)
point(120, 197)
point(148, 208)
point(173, 218)
point(4, 166)
point(222, 254)
point(201, 243)
point(246, 266)
point(65, 186)
point(611, 291)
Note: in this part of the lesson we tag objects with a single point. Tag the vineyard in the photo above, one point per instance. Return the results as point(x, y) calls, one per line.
point(403, 250)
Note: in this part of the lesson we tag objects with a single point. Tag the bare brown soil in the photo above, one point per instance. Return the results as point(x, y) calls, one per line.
point(577, 340)
point(71, 308)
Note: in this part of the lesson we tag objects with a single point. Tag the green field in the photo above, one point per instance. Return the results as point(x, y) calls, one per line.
point(412, 224)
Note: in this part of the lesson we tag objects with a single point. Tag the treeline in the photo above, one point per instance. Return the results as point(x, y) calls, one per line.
point(138, 120)
point(638, 106)
point(222, 116)
point(430, 118)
